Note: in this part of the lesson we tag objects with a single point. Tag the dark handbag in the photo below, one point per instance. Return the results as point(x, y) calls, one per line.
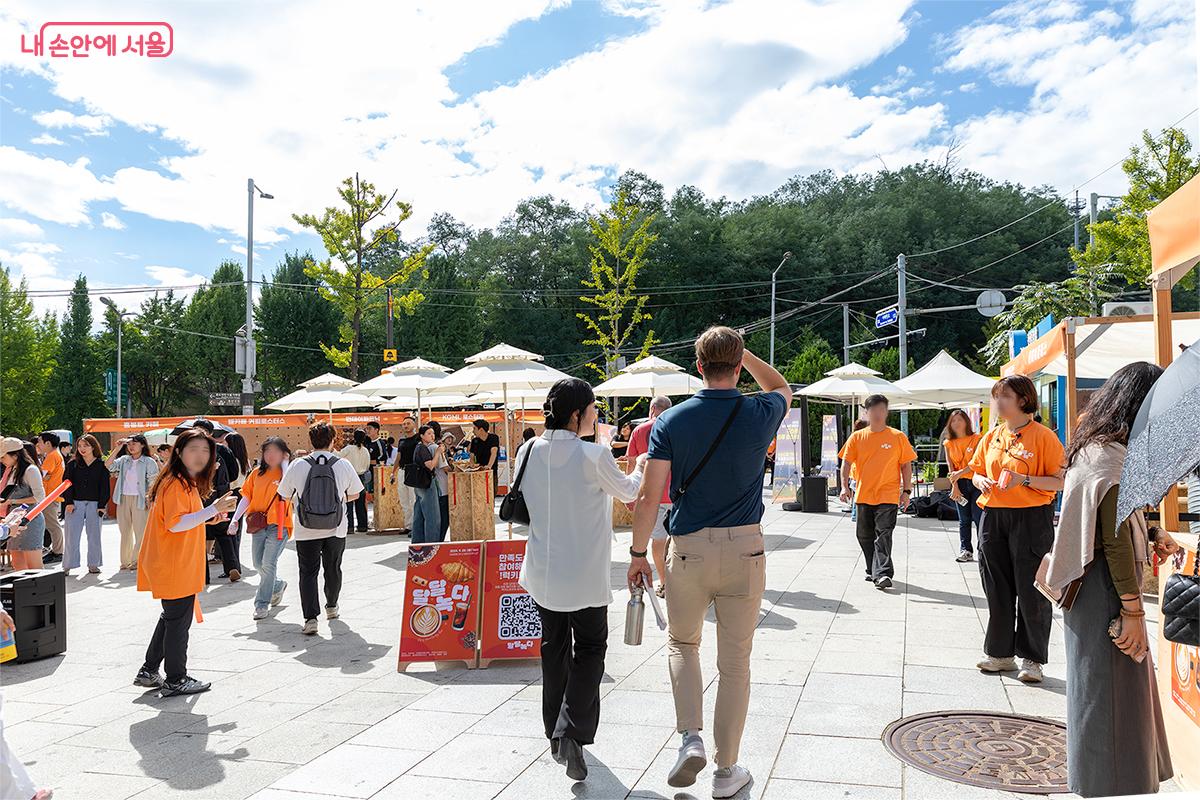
point(416, 474)
point(1181, 605)
point(687, 482)
point(258, 520)
point(512, 507)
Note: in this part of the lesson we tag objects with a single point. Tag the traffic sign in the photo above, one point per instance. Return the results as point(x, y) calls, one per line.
point(224, 399)
point(990, 302)
point(888, 316)
point(390, 356)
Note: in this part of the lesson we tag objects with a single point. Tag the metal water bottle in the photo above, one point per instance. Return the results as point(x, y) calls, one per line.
point(635, 615)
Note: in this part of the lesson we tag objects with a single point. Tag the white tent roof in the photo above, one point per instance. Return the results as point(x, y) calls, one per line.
point(1102, 349)
point(328, 379)
point(852, 384)
point(853, 369)
point(415, 365)
point(650, 383)
point(944, 383)
point(409, 402)
point(320, 399)
point(499, 367)
point(404, 380)
point(503, 352)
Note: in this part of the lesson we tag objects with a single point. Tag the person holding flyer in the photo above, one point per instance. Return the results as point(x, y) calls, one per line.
point(882, 459)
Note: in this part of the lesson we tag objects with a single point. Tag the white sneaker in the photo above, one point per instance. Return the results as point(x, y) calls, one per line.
point(310, 627)
point(276, 597)
point(260, 613)
point(728, 782)
point(993, 664)
point(331, 612)
point(689, 763)
point(964, 556)
point(1031, 671)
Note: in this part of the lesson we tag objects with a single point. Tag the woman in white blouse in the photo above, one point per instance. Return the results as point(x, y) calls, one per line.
point(568, 485)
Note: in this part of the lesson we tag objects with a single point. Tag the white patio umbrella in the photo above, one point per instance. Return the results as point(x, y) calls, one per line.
point(650, 377)
point(410, 402)
point(324, 393)
point(944, 383)
point(410, 378)
point(327, 379)
point(852, 384)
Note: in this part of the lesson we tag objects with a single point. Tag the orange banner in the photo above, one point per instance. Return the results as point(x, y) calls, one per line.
point(440, 621)
point(1174, 226)
point(1037, 354)
point(135, 424)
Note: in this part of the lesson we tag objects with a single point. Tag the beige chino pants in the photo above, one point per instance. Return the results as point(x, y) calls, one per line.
point(132, 522)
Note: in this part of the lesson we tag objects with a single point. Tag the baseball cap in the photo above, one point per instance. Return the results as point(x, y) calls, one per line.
point(11, 444)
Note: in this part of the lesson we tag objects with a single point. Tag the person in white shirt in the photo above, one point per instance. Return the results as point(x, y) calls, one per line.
point(568, 485)
point(319, 548)
point(358, 453)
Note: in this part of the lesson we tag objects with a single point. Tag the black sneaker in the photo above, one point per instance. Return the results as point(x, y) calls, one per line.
point(571, 753)
point(52, 558)
point(883, 583)
point(188, 685)
point(148, 679)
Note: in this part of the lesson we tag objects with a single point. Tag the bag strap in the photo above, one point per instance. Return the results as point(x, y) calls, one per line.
point(516, 487)
point(687, 482)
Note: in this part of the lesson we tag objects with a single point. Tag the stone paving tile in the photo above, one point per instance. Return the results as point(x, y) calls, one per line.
point(482, 758)
point(350, 770)
point(417, 730)
point(783, 789)
point(837, 760)
point(546, 780)
point(418, 787)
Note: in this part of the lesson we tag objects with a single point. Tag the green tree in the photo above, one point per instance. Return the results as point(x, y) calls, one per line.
point(26, 359)
point(355, 289)
point(161, 374)
point(292, 314)
point(215, 314)
point(621, 236)
point(76, 389)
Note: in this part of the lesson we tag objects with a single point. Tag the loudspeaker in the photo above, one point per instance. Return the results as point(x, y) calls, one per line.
point(814, 494)
point(36, 599)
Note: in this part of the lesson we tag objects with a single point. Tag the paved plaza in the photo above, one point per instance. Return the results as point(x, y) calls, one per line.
point(291, 717)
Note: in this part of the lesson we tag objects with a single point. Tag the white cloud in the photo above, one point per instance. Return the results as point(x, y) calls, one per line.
point(44, 248)
point(46, 139)
point(13, 228)
point(968, 87)
point(111, 221)
point(92, 124)
point(896, 81)
point(47, 188)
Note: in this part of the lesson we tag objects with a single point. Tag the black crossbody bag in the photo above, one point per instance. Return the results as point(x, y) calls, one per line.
point(512, 507)
point(1181, 605)
point(687, 482)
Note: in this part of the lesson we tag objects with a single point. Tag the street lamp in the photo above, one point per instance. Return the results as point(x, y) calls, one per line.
point(786, 256)
point(121, 315)
point(248, 342)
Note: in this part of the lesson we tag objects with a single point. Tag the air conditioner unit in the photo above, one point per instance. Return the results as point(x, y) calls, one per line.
point(1124, 308)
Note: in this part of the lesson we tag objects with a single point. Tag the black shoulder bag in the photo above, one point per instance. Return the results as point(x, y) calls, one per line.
point(512, 507)
point(1181, 605)
point(687, 482)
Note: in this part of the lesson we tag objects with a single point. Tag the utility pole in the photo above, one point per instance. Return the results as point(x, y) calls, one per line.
point(389, 318)
point(771, 356)
point(845, 334)
point(901, 310)
point(1095, 201)
point(1075, 209)
point(248, 346)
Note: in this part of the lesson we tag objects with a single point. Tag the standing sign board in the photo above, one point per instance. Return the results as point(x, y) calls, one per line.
point(511, 627)
point(786, 477)
point(441, 603)
point(829, 446)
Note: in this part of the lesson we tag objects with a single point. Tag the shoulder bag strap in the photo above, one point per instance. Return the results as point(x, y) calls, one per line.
point(683, 487)
point(516, 487)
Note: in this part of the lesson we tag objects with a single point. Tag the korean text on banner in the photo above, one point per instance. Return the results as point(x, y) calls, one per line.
point(441, 603)
point(829, 446)
point(511, 626)
point(786, 475)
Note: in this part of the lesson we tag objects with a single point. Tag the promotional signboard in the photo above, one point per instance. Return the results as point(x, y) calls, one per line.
point(829, 446)
point(786, 476)
point(441, 603)
point(511, 627)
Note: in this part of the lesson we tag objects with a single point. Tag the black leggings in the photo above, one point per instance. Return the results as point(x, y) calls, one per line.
point(573, 648)
point(170, 640)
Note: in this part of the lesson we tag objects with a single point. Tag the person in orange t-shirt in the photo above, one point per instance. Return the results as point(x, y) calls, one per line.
point(882, 457)
point(264, 510)
point(53, 468)
point(171, 564)
point(960, 449)
point(1019, 467)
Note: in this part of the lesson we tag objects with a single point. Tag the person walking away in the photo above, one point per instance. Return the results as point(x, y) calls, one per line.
point(130, 461)
point(172, 555)
point(960, 447)
point(883, 460)
point(263, 508)
point(568, 485)
point(1018, 468)
point(226, 474)
point(639, 443)
point(427, 523)
point(1116, 740)
point(85, 500)
point(321, 484)
point(22, 485)
point(53, 468)
point(442, 475)
point(404, 458)
point(358, 454)
point(712, 446)
point(485, 450)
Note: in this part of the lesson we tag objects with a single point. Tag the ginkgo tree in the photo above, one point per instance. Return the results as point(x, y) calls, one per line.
point(350, 233)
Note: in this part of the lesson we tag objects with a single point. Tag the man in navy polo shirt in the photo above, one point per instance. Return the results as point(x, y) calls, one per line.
point(717, 555)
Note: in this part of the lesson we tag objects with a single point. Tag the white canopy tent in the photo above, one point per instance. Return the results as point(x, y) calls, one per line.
point(409, 379)
point(650, 377)
point(943, 383)
point(852, 384)
point(1103, 348)
point(326, 393)
point(327, 380)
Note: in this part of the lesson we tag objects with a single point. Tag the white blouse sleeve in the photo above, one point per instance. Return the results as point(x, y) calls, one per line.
point(33, 479)
point(614, 481)
point(194, 520)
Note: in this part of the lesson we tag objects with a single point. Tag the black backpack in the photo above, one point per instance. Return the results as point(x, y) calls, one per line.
point(321, 505)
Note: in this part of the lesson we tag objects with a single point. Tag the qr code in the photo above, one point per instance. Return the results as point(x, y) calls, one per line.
point(519, 617)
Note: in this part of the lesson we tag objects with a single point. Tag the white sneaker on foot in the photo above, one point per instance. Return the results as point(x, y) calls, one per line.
point(994, 664)
point(964, 556)
point(276, 597)
point(310, 627)
point(689, 763)
point(260, 613)
point(1031, 671)
point(331, 612)
point(729, 781)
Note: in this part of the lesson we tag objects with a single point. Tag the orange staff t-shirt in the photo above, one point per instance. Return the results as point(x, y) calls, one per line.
point(1034, 450)
point(959, 453)
point(877, 458)
point(263, 491)
point(52, 471)
point(171, 564)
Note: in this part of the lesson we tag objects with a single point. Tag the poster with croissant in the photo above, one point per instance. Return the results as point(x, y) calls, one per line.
point(441, 603)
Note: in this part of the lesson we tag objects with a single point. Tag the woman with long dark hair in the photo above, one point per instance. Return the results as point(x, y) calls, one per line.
point(22, 484)
point(263, 509)
point(171, 562)
point(1116, 742)
point(85, 500)
point(960, 446)
point(1018, 468)
point(568, 486)
point(359, 455)
point(135, 469)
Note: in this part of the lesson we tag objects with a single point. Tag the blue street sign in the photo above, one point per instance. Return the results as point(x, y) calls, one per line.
point(889, 316)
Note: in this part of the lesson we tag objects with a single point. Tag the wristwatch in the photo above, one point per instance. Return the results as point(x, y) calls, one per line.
point(637, 553)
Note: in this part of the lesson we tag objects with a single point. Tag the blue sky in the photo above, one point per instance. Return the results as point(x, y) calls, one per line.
point(132, 171)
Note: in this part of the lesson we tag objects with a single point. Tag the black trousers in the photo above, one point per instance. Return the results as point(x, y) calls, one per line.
point(1012, 542)
point(444, 504)
point(357, 507)
point(315, 555)
point(573, 647)
point(170, 640)
point(875, 525)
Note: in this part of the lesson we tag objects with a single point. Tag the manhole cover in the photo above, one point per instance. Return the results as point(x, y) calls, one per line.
point(979, 748)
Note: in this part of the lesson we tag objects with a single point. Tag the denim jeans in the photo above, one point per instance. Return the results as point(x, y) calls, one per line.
point(265, 549)
point(84, 514)
point(967, 514)
point(427, 516)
